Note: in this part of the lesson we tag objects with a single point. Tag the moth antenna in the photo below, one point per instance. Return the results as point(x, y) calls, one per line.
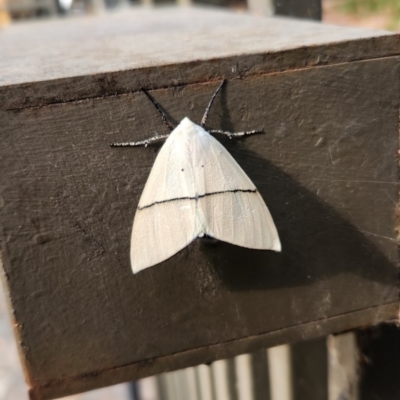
point(233, 134)
point(163, 116)
point(205, 116)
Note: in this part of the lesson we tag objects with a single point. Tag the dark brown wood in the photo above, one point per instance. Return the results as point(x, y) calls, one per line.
point(326, 166)
point(100, 378)
point(310, 9)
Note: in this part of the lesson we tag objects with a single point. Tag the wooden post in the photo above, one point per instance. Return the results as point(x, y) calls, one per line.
point(328, 100)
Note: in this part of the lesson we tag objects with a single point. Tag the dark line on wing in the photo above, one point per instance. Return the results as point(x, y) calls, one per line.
point(198, 197)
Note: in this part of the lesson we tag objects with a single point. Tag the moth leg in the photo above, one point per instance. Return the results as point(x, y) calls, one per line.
point(163, 116)
point(234, 134)
point(205, 116)
point(141, 143)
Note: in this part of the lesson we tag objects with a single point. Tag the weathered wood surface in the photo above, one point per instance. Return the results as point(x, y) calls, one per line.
point(326, 167)
point(118, 54)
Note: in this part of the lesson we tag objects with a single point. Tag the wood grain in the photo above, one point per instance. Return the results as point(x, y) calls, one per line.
point(326, 167)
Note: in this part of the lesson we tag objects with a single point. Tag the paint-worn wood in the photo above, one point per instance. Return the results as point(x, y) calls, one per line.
point(326, 167)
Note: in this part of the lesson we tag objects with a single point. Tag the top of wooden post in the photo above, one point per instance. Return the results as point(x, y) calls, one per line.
point(60, 61)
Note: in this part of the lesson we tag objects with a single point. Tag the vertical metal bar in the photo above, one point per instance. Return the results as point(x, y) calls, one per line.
point(203, 374)
point(193, 393)
point(179, 384)
point(280, 372)
point(167, 387)
point(233, 393)
point(134, 391)
point(261, 7)
point(147, 389)
point(220, 379)
point(343, 367)
point(162, 390)
point(244, 378)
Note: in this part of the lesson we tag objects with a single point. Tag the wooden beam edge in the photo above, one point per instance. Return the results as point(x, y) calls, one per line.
point(208, 354)
point(76, 88)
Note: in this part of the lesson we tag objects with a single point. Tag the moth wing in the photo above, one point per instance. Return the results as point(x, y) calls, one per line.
point(160, 231)
point(171, 175)
point(240, 218)
point(214, 169)
point(165, 221)
point(236, 212)
point(196, 187)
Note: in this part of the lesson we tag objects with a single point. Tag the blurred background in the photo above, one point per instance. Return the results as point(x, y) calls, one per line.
point(374, 14)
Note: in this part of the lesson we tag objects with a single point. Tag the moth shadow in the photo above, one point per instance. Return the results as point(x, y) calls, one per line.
point(317, 241)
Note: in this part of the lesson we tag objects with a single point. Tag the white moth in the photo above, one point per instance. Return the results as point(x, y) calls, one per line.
point(196, 188)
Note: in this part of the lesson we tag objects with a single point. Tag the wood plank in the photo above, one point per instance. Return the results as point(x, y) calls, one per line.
point(122, 53)
point(124, 373)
